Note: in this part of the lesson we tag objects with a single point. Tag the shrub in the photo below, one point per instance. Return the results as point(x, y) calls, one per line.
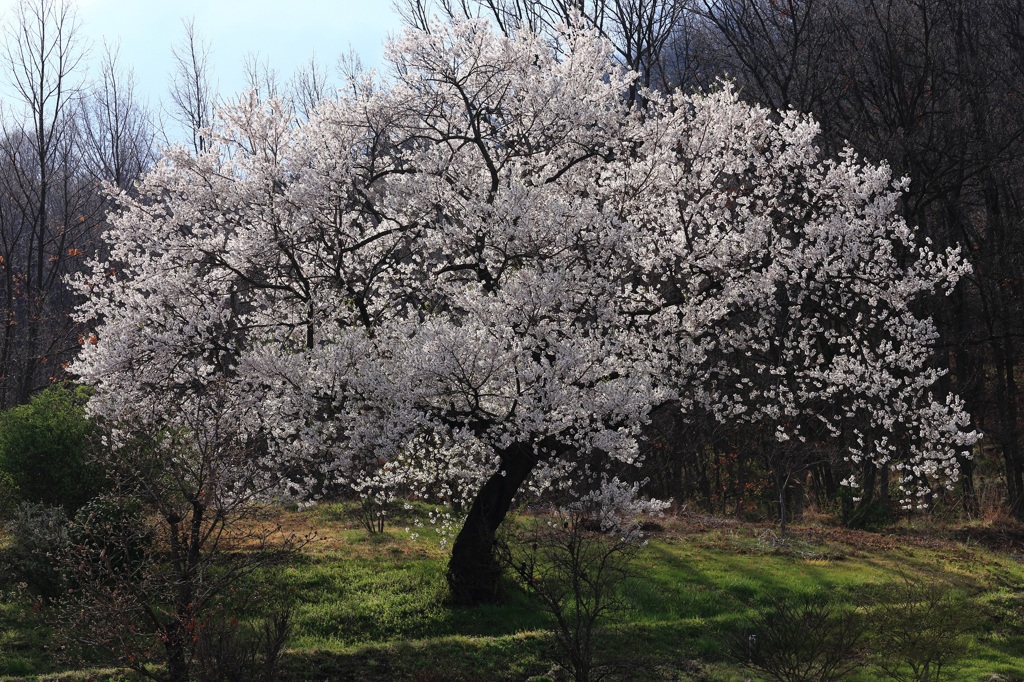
point(576, 573)
point(576, 565)
point(375, 505)
point(38, 538)
point(8, 495)
point(804, 639)
point(182, 525)
point(920, 630)
point(228, 651)
point(44, 450)
point(111, 533)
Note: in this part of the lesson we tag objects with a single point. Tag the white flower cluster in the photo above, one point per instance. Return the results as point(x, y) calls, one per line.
point(497, 251)
point(616, 508)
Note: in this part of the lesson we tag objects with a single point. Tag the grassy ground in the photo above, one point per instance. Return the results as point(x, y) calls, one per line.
point(372, 607)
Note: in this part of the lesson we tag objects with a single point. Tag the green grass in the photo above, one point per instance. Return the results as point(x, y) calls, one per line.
point(23, 635)
point(373, 607)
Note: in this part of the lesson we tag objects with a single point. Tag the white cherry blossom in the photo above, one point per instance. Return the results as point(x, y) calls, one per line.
point(484, 273)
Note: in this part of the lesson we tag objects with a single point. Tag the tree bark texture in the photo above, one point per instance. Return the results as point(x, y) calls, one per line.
point(474, 572)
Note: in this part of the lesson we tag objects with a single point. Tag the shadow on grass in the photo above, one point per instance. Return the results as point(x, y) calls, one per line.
point(341, 604)
point(632, 649)
point(459, 659)
point(373, 607)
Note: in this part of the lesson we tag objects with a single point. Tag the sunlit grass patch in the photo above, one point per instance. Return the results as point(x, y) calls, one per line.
point(373, 606)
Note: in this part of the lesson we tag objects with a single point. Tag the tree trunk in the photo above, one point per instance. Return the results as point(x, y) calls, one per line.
point(1006, 402)
point(781, 487)
point(859, 512)
point(474, 571)
point(970, 494)
point(825, 487)
point(177, 664)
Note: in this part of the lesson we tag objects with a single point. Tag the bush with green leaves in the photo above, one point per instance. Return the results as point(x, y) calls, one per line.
point(45, 447)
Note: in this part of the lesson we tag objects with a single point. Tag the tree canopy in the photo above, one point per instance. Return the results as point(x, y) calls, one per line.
point(484, 273)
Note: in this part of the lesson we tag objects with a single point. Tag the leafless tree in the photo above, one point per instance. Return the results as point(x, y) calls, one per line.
point(192, 94)
point(934, 87)
point(45, 216)
point(783, 51)
point(309, 86)
point(260, 77)
point(643, 32)
point(117, 133)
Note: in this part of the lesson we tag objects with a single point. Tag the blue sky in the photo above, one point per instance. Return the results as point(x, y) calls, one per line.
point(286, 33)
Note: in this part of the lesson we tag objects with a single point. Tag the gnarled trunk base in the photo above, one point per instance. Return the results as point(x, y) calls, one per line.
point(474, 572)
